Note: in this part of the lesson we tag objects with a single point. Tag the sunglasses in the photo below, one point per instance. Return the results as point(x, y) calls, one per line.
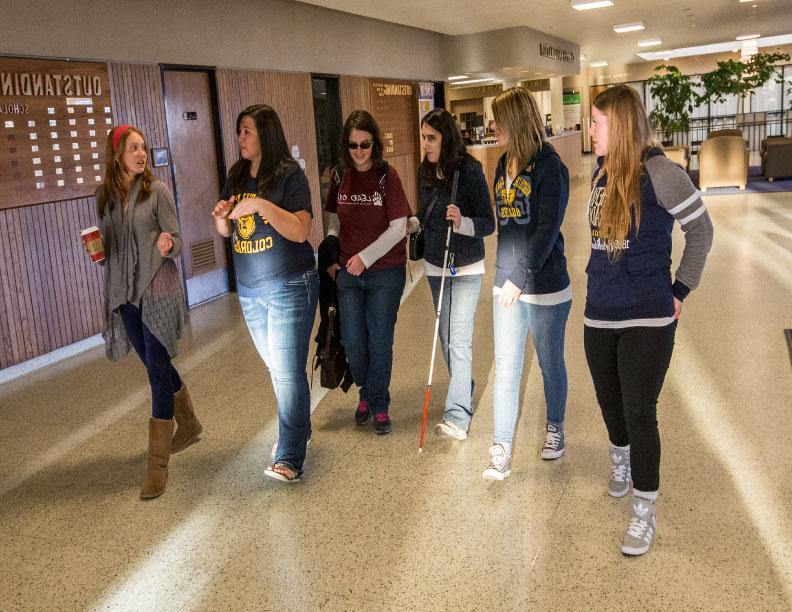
point(363, 145)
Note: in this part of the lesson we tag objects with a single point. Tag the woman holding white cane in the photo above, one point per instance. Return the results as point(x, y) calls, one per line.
point(460, 270)
point(532, 291)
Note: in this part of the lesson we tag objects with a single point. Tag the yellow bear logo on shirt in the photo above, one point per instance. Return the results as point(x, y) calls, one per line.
point(246, 226)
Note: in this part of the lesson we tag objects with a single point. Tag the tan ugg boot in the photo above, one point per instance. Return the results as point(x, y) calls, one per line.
point(160, 436)
point(189, 428)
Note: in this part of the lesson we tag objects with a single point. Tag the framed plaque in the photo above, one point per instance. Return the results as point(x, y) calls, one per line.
point(54, 120)
point(393, 105)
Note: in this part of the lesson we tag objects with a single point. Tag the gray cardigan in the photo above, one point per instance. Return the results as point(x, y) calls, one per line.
point(136, 273)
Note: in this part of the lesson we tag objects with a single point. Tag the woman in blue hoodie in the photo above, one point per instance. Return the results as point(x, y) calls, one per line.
point(532, 291)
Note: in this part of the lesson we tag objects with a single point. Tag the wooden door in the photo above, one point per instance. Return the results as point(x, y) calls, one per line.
point(193, 155)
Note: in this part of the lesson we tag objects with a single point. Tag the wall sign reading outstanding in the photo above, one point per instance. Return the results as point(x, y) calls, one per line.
point(54, 119)
point(393, 105)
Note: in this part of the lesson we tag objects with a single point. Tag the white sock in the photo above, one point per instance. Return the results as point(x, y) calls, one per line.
point(621, 448)
point(649, 496)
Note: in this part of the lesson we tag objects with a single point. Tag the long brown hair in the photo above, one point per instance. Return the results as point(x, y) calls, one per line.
point(114, 188)
point(516, 113)
point(629, 137)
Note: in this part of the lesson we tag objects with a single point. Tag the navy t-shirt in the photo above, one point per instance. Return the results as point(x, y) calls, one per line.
point(264, 260)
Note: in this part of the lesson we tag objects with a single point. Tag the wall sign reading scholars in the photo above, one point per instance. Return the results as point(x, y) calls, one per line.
point(394, 106)
point(54, 118)
point(556, 53)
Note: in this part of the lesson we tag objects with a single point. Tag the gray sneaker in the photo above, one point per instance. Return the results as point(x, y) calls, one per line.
point(554, 442)
point(640, 532)
point(447, 429)
point(499, 466)
point(619, 484)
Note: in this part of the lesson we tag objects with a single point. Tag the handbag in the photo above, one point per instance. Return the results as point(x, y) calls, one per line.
point(331, 360)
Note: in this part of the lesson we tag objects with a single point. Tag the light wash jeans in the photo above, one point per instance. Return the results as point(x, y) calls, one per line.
point(368, 305)
point(460, 297)
point(547, 324)
point(280, 325)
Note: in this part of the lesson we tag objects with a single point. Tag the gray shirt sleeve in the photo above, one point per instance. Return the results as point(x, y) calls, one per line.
point(166, 217)
point(677, 194)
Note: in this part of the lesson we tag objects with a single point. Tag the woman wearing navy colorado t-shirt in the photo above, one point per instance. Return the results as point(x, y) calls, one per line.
point(266, 209)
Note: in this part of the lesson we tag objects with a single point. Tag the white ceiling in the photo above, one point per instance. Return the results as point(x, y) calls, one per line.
point(680, 23)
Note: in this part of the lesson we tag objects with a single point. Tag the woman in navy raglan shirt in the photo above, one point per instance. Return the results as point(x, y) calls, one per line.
point(266, 208)
point(532, 291)
point(368, 212)
point(632, 305)
point(472, 219)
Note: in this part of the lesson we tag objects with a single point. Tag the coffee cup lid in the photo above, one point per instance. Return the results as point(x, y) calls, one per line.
point(89, 230)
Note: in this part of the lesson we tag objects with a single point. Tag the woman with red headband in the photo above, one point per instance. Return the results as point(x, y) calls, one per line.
point(144, 301)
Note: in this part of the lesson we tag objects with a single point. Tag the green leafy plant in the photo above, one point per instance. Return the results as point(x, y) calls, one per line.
point(675, 98)
point(740, 79)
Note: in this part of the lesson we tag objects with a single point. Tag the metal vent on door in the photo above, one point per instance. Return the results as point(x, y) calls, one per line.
point(202, 254)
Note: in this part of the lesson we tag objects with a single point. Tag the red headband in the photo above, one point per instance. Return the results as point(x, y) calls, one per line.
point(119, 131)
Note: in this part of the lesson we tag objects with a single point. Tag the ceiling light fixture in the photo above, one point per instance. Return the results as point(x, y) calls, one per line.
point(472, 81)
point(458, 77)
point(628, 27)
point(586, 5)
point(601, 64)
point(651, 42)
point(747, 36)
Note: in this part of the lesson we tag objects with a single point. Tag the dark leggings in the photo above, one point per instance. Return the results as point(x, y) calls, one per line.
point(163, 377)
point(628, 367)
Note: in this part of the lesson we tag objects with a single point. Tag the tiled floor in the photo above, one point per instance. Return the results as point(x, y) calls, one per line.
point(376, 526)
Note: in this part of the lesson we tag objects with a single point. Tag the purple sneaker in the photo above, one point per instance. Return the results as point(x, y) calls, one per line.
point(382, 423)
point(362, 413)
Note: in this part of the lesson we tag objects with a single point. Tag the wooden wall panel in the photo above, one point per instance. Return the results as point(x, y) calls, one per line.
point(291, 96)
point(355, 93)
point(50, 292)
point(406, 166)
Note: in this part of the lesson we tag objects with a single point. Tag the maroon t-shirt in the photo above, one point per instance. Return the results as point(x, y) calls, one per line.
point(363, 214)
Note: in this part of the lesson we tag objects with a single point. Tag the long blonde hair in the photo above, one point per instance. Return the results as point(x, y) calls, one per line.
point(629, 136)
point(114, 187)
point(516, 113)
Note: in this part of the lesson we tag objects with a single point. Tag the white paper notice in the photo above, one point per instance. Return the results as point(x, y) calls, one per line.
point(9, 124)
point(36, 161)
point(39, 173)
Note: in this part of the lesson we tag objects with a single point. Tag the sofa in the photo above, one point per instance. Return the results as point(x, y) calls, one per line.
point(679, 155)
point(776, 157)
point(723, 162)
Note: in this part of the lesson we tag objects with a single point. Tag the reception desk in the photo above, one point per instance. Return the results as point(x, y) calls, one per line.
point(568, 145)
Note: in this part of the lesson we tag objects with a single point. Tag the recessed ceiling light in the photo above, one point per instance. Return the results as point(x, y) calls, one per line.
point(598, 64)
point(585, 5)
point(748, 36)
point(628, 27)
point(458, 77)
point(651, 42)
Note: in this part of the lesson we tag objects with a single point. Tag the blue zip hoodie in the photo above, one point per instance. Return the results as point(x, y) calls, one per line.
point(530, 243)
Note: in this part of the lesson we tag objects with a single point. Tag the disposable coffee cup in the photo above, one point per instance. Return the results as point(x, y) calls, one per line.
point(92, 240)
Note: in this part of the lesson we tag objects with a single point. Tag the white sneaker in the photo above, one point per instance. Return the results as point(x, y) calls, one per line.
point(447, 429)
point(499, 466)
point(619, 484)
point(554, 442)
point(640, 532)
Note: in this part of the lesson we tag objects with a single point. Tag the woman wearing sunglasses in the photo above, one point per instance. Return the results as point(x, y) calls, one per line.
point(368, 212)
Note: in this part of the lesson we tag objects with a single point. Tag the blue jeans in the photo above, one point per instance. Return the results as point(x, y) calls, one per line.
point(547, 324)
point(280, 324)
point(163, 377)
point(367, 305)
point(460, 298)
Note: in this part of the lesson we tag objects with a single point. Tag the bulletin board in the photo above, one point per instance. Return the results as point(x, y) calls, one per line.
point(393, 103)
point(54, 120)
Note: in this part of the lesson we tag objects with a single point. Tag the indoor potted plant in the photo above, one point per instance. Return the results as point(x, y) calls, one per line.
point(675, 98)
